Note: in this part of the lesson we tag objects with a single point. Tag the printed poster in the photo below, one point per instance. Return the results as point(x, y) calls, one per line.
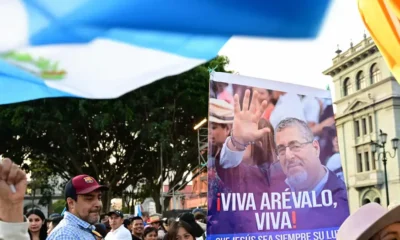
point(274, 169)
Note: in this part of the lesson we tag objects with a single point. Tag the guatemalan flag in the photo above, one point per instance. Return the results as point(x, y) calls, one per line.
point(138, 210)
point(103, 49)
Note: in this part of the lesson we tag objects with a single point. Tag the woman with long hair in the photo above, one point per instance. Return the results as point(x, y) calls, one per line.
point(150, 233)
point(185, 230)
point(37, 225)
point(181, 230)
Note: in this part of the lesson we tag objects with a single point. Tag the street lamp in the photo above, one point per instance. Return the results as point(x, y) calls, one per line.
point(375, 146)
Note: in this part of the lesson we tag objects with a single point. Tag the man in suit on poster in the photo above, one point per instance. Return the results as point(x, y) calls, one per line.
point(298, 153)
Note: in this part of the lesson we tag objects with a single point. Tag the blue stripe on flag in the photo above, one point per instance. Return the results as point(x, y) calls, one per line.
point(191, 46)
point(139, 210)
point(19, 86)
point(269, 18)
point(41, 13)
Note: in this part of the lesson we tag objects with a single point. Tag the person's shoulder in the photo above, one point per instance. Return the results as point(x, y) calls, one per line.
point(63, 232)
point(337, 186)
point(62, 235)
point(126, 232)
point(335, 182)
point(122, 233)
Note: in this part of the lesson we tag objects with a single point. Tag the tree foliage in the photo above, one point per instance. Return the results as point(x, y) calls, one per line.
point(58, 206)
point(117, 141)
point(44, 181)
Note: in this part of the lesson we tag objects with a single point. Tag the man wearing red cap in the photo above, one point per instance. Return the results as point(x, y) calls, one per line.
point(83, 203)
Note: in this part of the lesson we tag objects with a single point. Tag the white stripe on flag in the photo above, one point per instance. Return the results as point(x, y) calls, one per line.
point(109, 69)
point(14, 25)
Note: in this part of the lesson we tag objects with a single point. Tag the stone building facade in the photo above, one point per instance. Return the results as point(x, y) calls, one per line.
point(367, 99)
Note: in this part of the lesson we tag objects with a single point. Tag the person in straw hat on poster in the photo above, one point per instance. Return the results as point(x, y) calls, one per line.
point(371, 222)
point(221, 119)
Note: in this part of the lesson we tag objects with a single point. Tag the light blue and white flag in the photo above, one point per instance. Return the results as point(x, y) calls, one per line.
point(104, 49)
point(138, 210)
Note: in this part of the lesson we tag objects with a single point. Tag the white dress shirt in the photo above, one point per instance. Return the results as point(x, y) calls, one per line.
point(120, 233)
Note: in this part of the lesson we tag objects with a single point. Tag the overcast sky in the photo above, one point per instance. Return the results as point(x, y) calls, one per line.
point(299, 62)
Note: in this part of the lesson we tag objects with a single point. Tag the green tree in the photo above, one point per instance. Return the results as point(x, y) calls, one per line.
point(43, 181)
point(58, 206)
point(176, 104)
point(117, 141)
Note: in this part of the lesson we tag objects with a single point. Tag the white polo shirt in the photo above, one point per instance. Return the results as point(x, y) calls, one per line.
point(120, 233)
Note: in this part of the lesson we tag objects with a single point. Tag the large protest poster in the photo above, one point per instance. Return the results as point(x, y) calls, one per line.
point(274, 169)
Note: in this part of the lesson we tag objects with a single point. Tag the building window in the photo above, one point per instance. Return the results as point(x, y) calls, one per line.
point(371, 125)
point(364, 126)
point(359, 163)
point(347, 88)
point(366, 201)
point(373, 162)
point(366, 161)
point(357, 128)
point(375, 73)
point(360, 82)
point(370, 195)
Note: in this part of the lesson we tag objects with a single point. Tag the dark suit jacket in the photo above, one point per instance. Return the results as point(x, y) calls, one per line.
point(326, 217)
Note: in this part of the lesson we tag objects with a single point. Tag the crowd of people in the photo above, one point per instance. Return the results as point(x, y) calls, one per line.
point(82, 218)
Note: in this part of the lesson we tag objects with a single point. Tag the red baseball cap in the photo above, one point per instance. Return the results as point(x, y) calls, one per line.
point(82, 184)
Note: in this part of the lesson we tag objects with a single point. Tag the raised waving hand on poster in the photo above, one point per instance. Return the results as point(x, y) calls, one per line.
point(245, 125)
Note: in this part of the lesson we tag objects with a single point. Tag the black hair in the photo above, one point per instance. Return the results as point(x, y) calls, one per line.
point(127, 222)
point(149, 230)
point(101, 229)
point(136, 218)
point(43, 229)
point(173, 231)
point(56, 220)
point(194, 227)
point(70, 192)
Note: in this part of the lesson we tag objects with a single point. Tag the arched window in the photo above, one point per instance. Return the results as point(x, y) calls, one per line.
point(370, 195)
point(360, 82)
point(365, 201)
point(375, 73)
point(347, 88)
